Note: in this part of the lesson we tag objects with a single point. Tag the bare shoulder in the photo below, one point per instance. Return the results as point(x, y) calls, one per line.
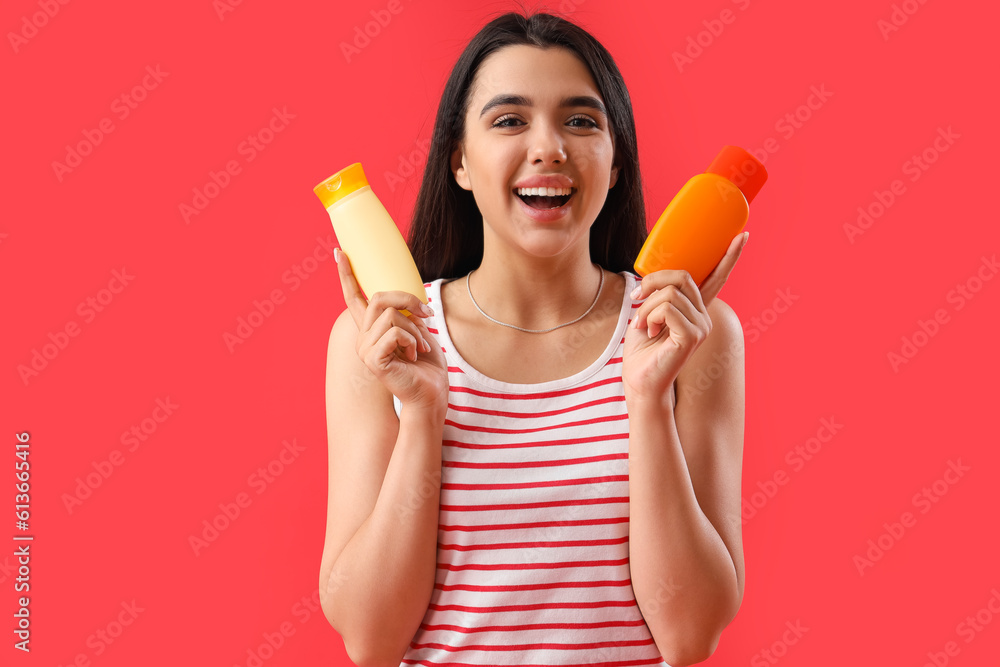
point(723, 345)
point(342, 355)
point(724, 317)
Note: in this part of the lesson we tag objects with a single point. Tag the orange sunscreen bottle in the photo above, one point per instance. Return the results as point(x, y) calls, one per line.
point(379, 256)
point(695, 230)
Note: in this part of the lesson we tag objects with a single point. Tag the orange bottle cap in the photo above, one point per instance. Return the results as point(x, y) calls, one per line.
point(344, 182)
point(740, 167)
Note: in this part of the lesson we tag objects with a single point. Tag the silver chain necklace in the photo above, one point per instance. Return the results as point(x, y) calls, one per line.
point(596, 299)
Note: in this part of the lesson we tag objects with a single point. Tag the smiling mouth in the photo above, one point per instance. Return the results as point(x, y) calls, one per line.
point(544, 202)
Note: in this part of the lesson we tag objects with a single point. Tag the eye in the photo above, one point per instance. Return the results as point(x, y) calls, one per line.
point(502, 121)
point(589, 122)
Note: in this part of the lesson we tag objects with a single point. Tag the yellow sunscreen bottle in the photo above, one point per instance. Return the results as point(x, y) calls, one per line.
point(696, 228)
point(379, 256)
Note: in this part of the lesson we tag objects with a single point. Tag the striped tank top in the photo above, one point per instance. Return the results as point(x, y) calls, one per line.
point(532, 561)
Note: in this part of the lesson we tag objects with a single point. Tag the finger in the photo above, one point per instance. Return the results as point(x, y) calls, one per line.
point(396, 301)
point(407, 337)
point(394, 343)
point(712, 285)
point(659, 317)
point(357, 304)
point(672, 302)
point(657, 320)
point(408, 345)
point(679, 293)
point(354, 298)
point(427, 336)
point(660, 280)
point(675, 323)
point(678, 326)
point(388, 321)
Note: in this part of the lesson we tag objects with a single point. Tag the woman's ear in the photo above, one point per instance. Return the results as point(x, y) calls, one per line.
point(458, 168)
point(614, 176)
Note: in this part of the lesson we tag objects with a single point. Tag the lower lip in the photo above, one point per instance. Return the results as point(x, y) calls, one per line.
point(548, 214)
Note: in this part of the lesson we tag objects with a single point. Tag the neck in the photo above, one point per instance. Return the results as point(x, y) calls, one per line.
point(535, 293)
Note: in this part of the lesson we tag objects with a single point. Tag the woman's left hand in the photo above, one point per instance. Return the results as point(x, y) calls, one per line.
point(670, 325)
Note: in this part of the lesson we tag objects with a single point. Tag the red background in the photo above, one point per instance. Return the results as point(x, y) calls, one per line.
point(162, 336)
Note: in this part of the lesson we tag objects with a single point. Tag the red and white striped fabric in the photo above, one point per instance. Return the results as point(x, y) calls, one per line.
point(533, 533)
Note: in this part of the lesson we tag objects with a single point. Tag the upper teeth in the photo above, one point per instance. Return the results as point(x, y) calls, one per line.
point(545, 192)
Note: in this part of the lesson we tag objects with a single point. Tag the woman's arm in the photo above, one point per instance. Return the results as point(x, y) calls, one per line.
point(380, 555)
point(685, 464)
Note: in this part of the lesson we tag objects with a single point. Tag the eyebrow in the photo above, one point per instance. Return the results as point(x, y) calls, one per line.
point(520, 100)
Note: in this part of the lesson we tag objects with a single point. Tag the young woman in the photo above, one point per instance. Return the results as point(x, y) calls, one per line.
point(544, 467)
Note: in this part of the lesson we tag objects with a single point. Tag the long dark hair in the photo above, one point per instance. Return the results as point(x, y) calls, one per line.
point(446, 233)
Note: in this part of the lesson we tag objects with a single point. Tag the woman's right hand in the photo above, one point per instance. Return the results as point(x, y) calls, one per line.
point(398, 350)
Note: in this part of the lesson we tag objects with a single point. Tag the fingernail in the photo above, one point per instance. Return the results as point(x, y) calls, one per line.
point(336, 255)
point(636, 292)
point(426, 310)
point(746, 237)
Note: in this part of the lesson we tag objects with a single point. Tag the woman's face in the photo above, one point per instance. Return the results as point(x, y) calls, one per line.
point(535, 118)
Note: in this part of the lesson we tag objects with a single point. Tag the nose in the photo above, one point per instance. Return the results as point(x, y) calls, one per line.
point(547, 146)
